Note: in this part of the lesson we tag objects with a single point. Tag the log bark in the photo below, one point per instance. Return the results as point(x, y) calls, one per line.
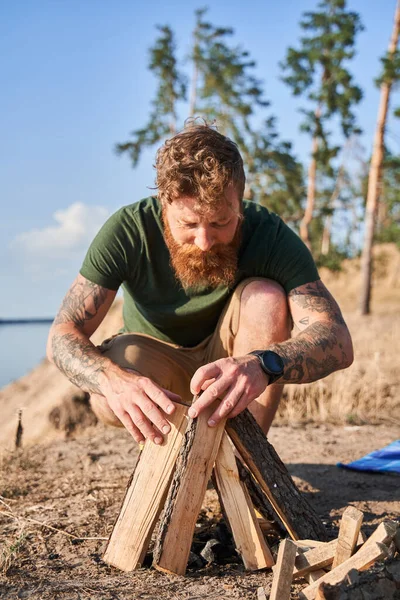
point(260, 501)
point(299, 518)
point(193, 470)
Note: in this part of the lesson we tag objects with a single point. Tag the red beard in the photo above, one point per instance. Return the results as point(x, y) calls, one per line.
point(197, 269)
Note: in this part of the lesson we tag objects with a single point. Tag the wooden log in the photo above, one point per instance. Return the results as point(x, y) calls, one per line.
point(384, 533)
point(315, 559)
point(144, 497)
point(349, 530)
point(272, 522)
point(193, 469)
point(361, 560)
point(239, 511)
point(283, 571)
point(314, 575)
point(298, 516)
point(309, 543)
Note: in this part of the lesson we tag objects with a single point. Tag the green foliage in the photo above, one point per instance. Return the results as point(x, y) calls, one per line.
point(226, 91)
point(390, 69)
point(171, 88)
point(224, 83)
point(318, 71)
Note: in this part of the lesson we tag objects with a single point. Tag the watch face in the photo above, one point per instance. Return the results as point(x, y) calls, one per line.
point(272, 362)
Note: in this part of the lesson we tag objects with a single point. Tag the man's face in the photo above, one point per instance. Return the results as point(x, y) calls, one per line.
point(203, 246)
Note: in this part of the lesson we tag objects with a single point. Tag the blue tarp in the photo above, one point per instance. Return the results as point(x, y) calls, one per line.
point(386, 460)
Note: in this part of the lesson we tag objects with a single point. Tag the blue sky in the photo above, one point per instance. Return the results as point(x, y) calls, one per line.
point(75, 81)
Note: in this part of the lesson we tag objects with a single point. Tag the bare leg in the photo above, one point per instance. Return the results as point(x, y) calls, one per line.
point(264, 319)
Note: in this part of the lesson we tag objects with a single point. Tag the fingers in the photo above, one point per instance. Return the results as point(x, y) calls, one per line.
point(214, 391)
point(131, 427)
point(210, 371)
point(232, 405)
point(138, 408)
point(159, 395)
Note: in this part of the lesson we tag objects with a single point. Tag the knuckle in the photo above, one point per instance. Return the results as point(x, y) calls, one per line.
point(228, 405)
point(142, 381)
point(140, 422)
point(213, 391)
point(148, 406)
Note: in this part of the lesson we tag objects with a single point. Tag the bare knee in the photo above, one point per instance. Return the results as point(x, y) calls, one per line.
point(103, 412)
point(264, 303)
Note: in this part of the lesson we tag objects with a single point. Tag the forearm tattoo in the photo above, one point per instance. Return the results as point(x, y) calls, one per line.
point(319, 349)
point(73, 306)
point(79, 360)
point(72, 352)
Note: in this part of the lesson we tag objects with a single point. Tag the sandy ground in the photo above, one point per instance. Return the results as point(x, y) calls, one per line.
point(76, 486)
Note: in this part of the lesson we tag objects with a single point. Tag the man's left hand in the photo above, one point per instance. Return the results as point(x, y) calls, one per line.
point(237, 381)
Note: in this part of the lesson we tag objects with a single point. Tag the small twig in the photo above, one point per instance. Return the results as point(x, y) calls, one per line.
point(71, 535)
point(5, 504)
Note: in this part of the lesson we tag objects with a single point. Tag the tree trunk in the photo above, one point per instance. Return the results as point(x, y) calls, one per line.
point(326, 235)
point(193, 91)
point(374, 178)
point(312, 175)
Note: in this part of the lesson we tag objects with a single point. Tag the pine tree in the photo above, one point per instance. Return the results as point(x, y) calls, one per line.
point(171, 89)
point(390, 74)
point(225, 90)
point(317, 70)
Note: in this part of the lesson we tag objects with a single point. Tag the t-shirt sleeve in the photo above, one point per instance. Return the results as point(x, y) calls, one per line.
point(106, 262)
point(291, 262)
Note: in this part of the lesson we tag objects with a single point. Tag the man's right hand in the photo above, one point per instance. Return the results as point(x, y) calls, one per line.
point(136, 401)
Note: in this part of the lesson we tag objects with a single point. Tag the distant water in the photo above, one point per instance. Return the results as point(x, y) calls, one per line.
point(22, 347)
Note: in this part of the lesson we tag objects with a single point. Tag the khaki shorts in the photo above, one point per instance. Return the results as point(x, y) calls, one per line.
point(172, 366)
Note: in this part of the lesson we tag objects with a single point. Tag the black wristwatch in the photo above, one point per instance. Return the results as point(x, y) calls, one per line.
point(271, 363)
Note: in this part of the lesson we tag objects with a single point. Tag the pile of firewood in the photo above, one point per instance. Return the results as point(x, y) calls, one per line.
point(332, 569)
point(168, 487)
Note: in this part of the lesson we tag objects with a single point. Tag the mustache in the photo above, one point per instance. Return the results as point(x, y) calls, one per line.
point(196, 268)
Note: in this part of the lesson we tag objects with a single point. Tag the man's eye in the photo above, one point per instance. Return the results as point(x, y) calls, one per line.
point(220, 224)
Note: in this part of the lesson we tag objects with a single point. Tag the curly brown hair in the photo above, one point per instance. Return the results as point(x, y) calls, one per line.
point(201, 162)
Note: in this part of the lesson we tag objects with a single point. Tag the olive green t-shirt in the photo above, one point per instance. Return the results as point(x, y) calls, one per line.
point(130, 251)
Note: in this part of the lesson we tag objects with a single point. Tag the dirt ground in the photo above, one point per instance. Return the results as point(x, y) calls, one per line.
point(76, 485)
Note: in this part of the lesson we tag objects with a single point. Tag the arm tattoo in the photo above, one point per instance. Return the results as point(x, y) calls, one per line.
point(318, 350)
point(72, 351)
point(73, 306)
point(314, 297)
point(79, 360)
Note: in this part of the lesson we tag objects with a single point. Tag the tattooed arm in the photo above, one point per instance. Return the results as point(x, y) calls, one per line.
point(134, 399)
point(68, 347)
point(323, 344)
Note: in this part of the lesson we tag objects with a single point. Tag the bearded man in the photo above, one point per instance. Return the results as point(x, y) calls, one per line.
point(213, 286)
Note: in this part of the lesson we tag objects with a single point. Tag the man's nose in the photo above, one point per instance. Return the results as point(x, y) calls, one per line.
point(203, 239)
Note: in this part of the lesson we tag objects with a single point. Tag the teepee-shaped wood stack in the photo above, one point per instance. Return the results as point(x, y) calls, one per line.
point(174, 477)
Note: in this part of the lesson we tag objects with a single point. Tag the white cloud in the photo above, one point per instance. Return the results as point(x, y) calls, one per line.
point(74, 230)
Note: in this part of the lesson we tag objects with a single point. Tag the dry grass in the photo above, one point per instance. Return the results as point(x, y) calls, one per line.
point(369, 391)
